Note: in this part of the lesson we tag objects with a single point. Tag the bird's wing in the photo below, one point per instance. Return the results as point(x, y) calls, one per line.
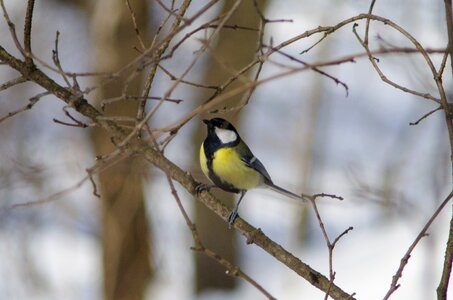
point(257, 165)
point(251, 161)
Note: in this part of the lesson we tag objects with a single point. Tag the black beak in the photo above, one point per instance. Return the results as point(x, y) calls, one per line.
point(207, 122)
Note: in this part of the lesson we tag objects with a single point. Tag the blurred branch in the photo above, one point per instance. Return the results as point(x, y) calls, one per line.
point(446, 271)
point(12, 82)
point(56, 60)
point(124, 96)
point(394, 285)
point(27, 32)
point(367, 29)
point(195, 84)
point(449, 21)
point(101, 165)
point(134, 21)
point(32, 101)
point(330, 245)
point(12, 29)
point(53, 197)
point(155, 57)
point(76, 123)
point(204, 46)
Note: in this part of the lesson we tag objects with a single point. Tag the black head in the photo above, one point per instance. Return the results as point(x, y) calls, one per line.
point(219, 123)
point(221, 131)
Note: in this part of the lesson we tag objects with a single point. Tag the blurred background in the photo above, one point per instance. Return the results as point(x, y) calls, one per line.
point(310, 133)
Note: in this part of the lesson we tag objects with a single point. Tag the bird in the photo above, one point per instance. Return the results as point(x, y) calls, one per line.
point(229, 164)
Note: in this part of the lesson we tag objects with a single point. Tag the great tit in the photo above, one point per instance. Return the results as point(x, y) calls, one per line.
point(230, 165)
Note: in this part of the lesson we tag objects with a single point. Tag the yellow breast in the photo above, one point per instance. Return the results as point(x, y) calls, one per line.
point(203, 162)
point(228, 166)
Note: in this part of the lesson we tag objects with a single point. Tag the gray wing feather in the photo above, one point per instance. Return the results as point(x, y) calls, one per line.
point(255, 163)
point(251, 161)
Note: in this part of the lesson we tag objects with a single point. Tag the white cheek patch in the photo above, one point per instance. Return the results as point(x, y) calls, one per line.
point(226, 136)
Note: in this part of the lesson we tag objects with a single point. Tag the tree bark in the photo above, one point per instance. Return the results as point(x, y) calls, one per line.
point(235, 48)
point(125, 228)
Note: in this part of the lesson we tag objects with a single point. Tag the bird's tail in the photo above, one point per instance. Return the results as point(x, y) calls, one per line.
point(282, 191)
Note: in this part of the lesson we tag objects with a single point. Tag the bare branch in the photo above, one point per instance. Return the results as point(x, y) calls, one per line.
point(32, 102)
point(48, 199)
point(425, 116)
point(326, 34)
point(381, 74)
point(156, 56)
point(367, 29)
point(12, 29)
point(108, 101)
point(128, 144)
point(76, 123)
point(394, 285)
point(449, 21)
point(232, 270)
point(134, 21)
point(447, 267)
point(27, 32)
point(93, 183)
point(330, 245)
point(12, 82)
point(314, 68)
point(173, 77)
point(56, 60)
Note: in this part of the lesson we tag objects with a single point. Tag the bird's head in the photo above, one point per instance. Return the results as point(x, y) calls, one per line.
point(222, 130)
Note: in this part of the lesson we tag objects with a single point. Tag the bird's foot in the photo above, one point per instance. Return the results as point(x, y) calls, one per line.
point(233, 215)
point(202, 187)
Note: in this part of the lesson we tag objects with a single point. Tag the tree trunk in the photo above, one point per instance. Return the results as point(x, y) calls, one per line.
point(125, 227)
point(236, 48)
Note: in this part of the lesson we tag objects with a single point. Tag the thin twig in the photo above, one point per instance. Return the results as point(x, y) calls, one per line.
point(32, 101)
point(195, 84)
point(27, 32)
point(368, 21)
point(447, 266)
point(330, 245)
point(134, 21)
point(150, 77)
point(315, 44)
point(56, 60)
point(12, 30)
point(93, 183)
point(145, 119)
point(108, 101)
point(384, 78)
point(48, 199)
point(76, 123)
point(425, 116)
point(394, 285)
point(314, 68)
point(12, 82)
point(328, 196)
point(443, 63)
